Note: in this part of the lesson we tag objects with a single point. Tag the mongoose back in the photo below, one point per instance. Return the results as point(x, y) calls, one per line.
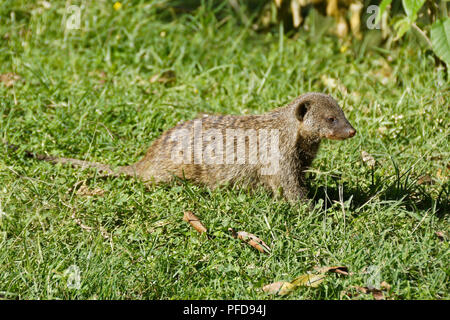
point(273, 149)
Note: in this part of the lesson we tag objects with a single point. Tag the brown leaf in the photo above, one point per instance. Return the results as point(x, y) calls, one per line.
point(425, 179)
point(190, 217)
point(376, 293)
point(443, 176)
point(251, 239)
point(9, 79)
point(341, 270)
point(440, 235)
point(385, 286)
point(280, 287)
point(361, 289)
point(164, 77)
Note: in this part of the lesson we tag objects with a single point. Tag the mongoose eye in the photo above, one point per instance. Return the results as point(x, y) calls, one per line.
point(331, 119)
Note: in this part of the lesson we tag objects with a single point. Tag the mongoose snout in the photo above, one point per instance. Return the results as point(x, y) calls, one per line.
point(340, 131)
point(323, 118)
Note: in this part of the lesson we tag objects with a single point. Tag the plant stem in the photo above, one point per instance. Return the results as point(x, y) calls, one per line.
point(424, 36)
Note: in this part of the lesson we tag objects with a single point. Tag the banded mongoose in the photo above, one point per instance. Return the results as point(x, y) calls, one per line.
point(273, 149)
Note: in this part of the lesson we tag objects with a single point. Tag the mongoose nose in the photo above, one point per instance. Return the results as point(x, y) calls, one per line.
point(351, 132)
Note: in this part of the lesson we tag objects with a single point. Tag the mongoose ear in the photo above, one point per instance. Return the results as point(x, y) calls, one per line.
point(301, 109)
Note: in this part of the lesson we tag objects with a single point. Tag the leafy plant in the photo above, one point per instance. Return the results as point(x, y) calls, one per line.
point(440, 29)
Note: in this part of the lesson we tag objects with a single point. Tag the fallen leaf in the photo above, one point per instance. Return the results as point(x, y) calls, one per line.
point(440, 235)
point(341, 270)
point(309, 280)
point(164, 77)
point(386, 286)
point(195, 222)
point(281, 288)
point(251, 239)
point(9, 79)
point(361, 289)
point(425, 179)
point(376, 293)
point(367, 158)
point(443, 175)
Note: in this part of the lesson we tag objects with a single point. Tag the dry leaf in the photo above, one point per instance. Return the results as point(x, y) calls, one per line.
point(251, 239)
point(376, 293)
point(425, 179)
point(281, 288)
point(194, 221)
point(440, 235)
point(165, 77)
point(9, 79)
point(442, 176)
point(361, 289)
point(368, 159)
point(385, 286)
point(309, 280)
point(341, 270)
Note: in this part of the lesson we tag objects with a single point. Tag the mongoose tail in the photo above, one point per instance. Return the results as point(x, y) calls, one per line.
point(82, 164)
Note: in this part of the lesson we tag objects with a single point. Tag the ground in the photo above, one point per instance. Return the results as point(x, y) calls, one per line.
point(94, 93)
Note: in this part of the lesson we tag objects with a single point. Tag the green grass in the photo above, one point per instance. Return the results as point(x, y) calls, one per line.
point(87, 94)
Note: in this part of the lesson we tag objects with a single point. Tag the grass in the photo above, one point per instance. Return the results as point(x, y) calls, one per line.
point(87, 94)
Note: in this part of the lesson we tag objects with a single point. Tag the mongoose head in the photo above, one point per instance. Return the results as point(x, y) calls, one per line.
point(321, 117)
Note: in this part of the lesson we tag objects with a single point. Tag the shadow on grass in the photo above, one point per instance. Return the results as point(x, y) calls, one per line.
point(414, 197)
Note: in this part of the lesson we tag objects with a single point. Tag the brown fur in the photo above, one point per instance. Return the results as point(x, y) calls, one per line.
point(301, 124)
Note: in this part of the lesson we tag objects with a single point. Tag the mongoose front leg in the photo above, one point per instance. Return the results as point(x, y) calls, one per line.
point(294, 189)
